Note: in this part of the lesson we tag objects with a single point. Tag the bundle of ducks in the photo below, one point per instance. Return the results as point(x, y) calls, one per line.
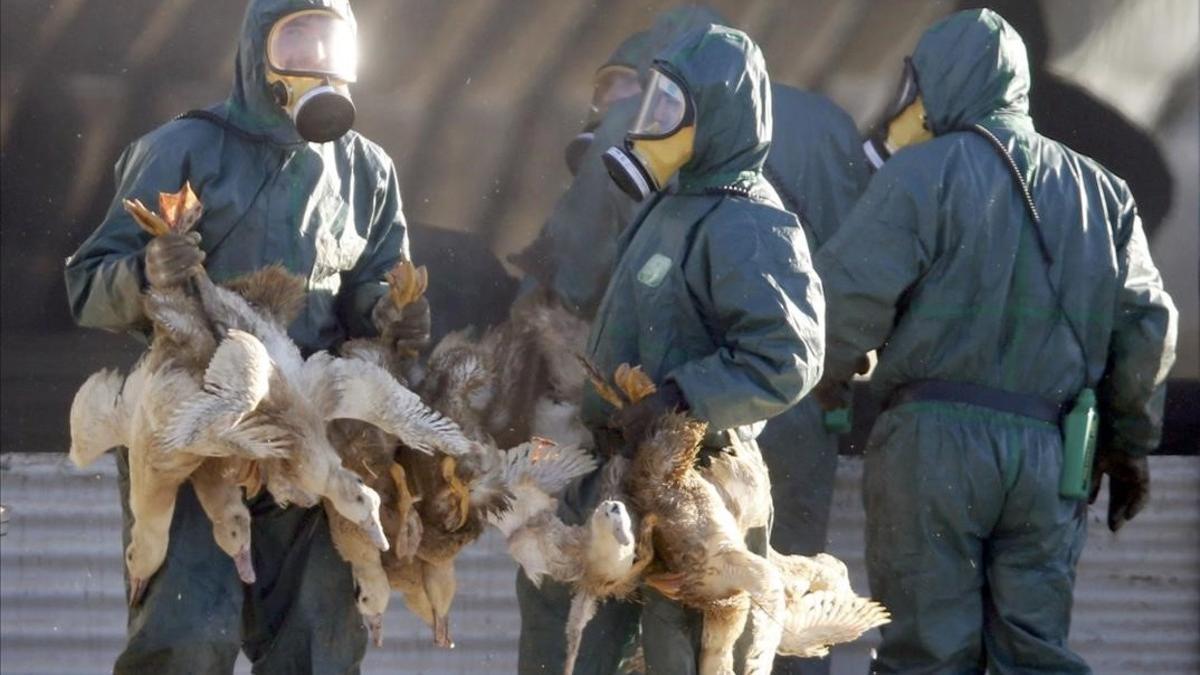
point(224, 399)
point(404, 456)
point(670, 523)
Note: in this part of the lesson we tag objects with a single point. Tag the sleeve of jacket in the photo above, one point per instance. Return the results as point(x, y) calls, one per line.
point(873, 258)
point(105, 277)
point(387, 244)
point(1141, 350)
point(757, 283)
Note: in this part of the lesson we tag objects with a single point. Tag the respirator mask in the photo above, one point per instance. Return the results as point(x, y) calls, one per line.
point(612, 83)
point(660, 141)
point(903, 125)
point(311, 59)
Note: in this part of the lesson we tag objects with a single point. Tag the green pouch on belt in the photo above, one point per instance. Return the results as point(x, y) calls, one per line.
point(838, 421)
point(1079, 447)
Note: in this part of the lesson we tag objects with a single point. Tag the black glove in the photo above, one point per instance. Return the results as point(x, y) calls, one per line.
point(1128, 485)
point(635, 420)
point(832, 395)
point(172, 259)
point(403, 329)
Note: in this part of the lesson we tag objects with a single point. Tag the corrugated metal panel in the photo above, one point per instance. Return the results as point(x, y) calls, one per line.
point(62, 604)
point(61, 608)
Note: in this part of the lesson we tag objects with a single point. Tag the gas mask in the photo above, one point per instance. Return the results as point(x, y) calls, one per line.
point(660, 141)
point(612, 83)
point(903, 125)
point(311, 59)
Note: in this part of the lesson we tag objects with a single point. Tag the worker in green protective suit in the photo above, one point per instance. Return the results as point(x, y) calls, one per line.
point(574, 253)
point(712, 294)
point(991, 322)
point(818, 170)
point(283, 180)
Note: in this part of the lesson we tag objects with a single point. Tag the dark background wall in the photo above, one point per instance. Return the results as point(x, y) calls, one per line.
point(474, 99)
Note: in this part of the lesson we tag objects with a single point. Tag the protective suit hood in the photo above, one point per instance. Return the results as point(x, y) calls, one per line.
point(971, 66)
point(634, 52)
point(727, 79)
point(251, 106)
point(640, 48)
point(673, 23)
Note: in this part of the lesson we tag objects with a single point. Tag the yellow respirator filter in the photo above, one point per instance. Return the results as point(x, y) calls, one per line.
point(662, 157)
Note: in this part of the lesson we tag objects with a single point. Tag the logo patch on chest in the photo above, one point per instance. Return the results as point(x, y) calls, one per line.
point(655, 270)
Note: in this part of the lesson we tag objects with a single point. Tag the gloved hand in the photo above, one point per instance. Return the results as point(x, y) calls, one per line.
point(402, 329)
point(635, 420)
point(1128, 485)
point(833, 395)
point(172, 258)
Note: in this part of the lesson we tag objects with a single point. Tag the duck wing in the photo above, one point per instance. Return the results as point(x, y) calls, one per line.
point(537, 539)
point(820, 572)
point(540, 463)
point(547, 465)
point(236, 381)
point(815, 621)
point(357, 389)
point(99, 417)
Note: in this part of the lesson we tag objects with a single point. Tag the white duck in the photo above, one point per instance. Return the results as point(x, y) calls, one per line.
point(370, 453)
point(110, 411)
point(600, 559)
point(820, 607)
point(217, 489)
point(301, 396)
point(304, 394)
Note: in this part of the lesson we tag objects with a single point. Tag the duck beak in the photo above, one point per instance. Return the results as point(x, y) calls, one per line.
point(375, 627)
point(137, 589)
point(441, 631)
point(245, 566)
point(375, 531)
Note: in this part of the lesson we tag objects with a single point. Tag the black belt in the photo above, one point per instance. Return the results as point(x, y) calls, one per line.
point(973, 394)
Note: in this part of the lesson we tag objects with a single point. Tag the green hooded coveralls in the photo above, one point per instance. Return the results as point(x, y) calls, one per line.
point(328, 212)
point(713, 289)
point(969, 544)
point(817, 168)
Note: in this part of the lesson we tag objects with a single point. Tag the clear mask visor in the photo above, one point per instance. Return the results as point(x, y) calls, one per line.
point(906, 92)
point(612, 84)
point(313, 43)
point(665, 108)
